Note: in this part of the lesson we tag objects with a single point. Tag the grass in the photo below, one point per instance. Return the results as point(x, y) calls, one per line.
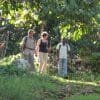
point(86, 97)
point(19, 85)
point(28, 87)
point(40, 87)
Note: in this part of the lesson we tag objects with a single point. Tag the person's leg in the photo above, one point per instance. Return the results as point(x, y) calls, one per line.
point(26, 57)
point(40, 62)
point(65, 67)
point(60, 68)
point(45, 58)
point(31, 61)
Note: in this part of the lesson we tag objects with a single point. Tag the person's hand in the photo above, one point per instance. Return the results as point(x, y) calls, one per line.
point(35, 54)
point(57, 58)
point(2, 45)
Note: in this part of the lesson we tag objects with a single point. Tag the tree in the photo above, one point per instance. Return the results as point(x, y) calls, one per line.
point(72, 19)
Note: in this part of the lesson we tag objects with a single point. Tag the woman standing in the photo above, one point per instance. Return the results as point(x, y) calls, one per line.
point(42, 49)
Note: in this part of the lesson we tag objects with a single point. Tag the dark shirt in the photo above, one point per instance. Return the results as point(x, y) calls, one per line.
point(43, 47)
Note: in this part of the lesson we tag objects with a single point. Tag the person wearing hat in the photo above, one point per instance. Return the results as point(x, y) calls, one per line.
point(28, 47)
point(42, 51)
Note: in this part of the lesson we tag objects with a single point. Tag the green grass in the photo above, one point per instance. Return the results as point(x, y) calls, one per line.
point(19, 85)
point(86, 97)
point(40, 87)
point(28, 87)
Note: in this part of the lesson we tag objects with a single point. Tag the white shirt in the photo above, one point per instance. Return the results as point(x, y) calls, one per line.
point(63, 50)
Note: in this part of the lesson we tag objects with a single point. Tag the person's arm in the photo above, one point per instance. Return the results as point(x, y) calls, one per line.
point(2, 45)
point(48, 46)
point(23, 44)
point(57, 50)
point(37, 46)
point(69, 50)
point(23, 41)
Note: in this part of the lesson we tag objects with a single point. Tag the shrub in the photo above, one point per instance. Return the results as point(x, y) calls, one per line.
point(94, 60)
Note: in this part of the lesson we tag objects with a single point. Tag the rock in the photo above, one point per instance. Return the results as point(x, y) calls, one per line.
point(22, 63)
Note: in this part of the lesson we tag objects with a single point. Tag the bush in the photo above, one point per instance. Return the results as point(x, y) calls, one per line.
point(94, 60)
point(12, 70)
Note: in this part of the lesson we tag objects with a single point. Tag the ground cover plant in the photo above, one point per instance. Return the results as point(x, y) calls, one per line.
point(16, 84)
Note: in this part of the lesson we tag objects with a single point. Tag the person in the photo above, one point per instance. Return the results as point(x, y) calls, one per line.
point(42, 51)
point(62, 50)
point(2, 45)
point(28, 48)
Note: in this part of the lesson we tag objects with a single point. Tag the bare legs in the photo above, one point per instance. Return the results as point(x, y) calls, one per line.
point(43, 62)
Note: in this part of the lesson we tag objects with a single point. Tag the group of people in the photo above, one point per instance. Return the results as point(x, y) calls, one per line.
point(41, 48)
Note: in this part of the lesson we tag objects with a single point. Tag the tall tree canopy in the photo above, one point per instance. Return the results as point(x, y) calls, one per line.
point(73, 19)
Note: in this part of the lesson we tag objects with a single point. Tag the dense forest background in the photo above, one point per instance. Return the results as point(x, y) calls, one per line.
point(76, 20)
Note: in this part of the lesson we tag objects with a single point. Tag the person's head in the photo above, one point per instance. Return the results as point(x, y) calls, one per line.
point(44, 35)
point(63, 40)
point(31, 32)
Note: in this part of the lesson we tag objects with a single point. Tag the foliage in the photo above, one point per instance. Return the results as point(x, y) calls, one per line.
point(71, 19)
point(87, 97)
point(29, 87)
point(94, 60)
point(17, 84)
point(76, 20)
point(71, 15)
point(26, 88)
point(8, 67)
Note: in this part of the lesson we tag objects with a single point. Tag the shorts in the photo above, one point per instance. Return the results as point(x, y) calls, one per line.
point(43, 57)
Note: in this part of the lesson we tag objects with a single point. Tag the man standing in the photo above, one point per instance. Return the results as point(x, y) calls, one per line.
point(62, 49)
point(28, 47)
